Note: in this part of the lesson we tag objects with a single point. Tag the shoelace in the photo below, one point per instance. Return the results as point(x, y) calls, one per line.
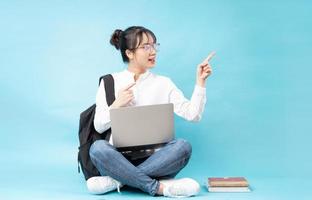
point(118, 186)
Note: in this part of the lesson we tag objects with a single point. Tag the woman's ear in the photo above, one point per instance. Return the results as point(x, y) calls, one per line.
point(129, 54)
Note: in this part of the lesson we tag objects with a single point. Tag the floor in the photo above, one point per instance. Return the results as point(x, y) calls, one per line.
point(66, 184)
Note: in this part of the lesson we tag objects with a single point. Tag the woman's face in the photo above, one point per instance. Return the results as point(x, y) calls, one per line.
point(144, 56)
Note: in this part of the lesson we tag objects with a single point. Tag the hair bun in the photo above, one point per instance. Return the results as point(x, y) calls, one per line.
point(115, 39)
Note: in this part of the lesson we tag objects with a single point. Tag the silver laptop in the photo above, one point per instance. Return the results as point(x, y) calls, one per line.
point(142, 127)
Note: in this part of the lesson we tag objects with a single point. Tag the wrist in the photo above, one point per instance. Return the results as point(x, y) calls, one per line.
point(114, 105)
point(201, 82)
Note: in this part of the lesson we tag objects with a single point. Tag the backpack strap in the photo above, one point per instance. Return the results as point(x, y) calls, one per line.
point(110, 96)
point(109, 88)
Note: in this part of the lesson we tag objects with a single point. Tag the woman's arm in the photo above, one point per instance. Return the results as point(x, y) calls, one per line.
point(102, 117)
point(192, 109)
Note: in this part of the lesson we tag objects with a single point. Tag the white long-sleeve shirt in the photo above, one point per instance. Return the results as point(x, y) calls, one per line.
point(149, 89)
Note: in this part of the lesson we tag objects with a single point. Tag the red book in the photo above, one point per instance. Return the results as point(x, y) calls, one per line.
point(227, 182)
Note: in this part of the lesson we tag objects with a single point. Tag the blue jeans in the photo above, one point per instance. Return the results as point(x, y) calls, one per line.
point(166, 162)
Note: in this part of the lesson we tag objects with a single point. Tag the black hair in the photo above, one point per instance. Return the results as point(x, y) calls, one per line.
point(130, 39)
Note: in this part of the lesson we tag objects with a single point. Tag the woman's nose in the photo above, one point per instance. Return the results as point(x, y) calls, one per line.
point(153, 51)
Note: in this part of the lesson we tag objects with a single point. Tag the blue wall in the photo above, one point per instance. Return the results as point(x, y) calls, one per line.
point(257, 121)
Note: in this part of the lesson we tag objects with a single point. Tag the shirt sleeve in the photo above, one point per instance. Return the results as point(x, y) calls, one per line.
point(101, 117)
point(190, 110)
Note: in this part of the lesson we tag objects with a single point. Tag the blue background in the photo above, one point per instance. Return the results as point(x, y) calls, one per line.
point(257, 120)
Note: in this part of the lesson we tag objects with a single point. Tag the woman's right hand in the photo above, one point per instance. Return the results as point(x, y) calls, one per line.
point(125, 96)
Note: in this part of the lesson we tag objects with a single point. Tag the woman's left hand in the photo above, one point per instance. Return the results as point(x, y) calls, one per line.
point(204, 70)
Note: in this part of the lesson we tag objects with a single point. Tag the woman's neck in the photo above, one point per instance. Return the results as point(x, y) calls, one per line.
point(136, 70)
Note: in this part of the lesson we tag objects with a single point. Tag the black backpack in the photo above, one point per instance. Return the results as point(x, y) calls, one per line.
point(87, 132)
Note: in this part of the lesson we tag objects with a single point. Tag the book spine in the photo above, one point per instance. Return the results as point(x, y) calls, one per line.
point(228, 184)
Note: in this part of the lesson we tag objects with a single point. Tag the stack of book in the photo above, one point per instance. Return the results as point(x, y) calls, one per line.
point(228, 184)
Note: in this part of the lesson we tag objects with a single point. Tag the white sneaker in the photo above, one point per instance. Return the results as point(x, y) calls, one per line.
point(102, 184)
point(184, 187)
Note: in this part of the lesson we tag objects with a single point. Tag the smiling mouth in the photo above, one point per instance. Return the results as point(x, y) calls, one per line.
point(151, 59)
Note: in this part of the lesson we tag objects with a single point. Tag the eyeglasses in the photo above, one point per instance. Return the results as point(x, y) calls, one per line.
point(148, 47)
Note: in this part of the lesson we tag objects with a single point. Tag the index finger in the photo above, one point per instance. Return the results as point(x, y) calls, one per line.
point(210, 56)
point(129, 86)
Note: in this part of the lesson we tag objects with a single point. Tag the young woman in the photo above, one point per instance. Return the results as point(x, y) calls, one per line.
point(154, 171)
